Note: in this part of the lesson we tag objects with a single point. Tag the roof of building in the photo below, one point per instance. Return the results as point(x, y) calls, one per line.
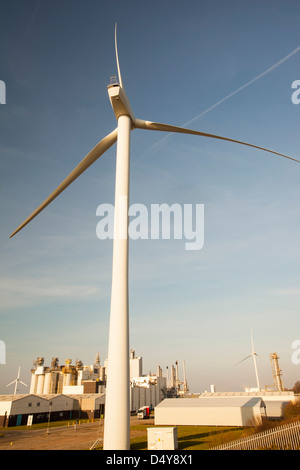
point(261, 393)
point(86, 396)
point(20, 396)
point(208, 402)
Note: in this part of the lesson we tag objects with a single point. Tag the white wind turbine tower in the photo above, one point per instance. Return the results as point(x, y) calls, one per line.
point(117, 411)
point(16, 382)
point(253, 354)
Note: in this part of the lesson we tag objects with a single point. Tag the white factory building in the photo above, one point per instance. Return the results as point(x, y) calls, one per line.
point(145, 390)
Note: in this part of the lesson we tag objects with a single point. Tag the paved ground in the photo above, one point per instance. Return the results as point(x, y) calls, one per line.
point(81, 437)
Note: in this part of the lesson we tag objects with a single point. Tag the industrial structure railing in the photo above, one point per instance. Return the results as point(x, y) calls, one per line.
point(96, 444)
point(285, 437)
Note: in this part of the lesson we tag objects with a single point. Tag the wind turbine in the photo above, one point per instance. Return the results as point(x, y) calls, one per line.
point(16, 382)
point(254, 355)
point(117, 410)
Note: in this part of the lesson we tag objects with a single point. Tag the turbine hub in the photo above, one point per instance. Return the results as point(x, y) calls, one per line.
point(119, 101)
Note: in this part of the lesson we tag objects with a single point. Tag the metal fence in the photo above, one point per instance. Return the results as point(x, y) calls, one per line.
point(285, 437)
point(96, 444)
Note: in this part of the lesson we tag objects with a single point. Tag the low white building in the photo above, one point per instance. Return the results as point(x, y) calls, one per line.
point(88, 405)
point(15, 409)
point(274, 401)
point(224, 411)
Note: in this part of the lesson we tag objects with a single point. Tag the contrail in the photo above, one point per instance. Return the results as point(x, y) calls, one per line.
point(273, 67)
point(33, 16)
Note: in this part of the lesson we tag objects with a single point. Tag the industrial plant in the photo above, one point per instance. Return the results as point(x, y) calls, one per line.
point(76, 391)
point(72, 391)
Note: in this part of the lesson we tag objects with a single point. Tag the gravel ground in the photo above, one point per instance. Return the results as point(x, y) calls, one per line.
point(81, 437)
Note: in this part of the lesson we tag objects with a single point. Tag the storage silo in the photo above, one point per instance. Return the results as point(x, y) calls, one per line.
point(40, 381)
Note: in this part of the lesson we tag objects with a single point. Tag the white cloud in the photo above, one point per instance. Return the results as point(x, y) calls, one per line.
point(287, 291)
point(17, 292)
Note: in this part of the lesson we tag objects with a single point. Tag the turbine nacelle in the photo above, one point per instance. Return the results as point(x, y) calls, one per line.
point(119, 101)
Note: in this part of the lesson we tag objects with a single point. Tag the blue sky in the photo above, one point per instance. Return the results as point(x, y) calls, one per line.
point(178, 59)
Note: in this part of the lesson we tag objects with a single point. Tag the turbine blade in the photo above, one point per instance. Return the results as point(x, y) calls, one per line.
point(91, 157)
point(252, 344)
point(117, 58)
point(156, 126)
point(243, 359)
point(23, 383)
point(14, 381)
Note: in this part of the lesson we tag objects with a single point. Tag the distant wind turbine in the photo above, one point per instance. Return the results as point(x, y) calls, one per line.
point(16, 382)
point(254, 355)
point(117, 409)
